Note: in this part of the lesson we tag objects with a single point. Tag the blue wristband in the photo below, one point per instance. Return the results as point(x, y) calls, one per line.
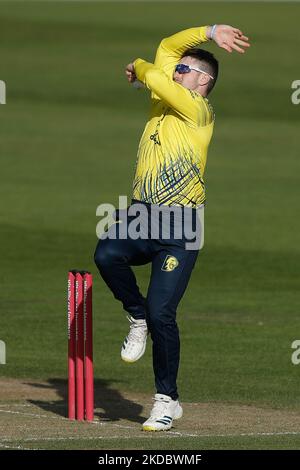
point(212, 31)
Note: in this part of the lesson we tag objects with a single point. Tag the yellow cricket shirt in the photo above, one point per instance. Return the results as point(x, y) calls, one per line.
point(172, 151)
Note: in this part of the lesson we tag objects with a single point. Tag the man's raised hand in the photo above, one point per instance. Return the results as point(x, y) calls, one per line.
point(228, 38)
point(130, 73)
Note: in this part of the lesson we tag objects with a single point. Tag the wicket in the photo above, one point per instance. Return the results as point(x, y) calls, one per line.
point(80, 346)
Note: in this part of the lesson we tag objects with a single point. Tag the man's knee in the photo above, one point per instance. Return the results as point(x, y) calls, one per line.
point(106, 253)
point(159, 316)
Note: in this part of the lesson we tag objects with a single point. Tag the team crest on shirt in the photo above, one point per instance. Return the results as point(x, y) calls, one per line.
point(170, 263)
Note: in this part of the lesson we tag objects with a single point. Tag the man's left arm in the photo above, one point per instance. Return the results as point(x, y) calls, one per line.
point(171, 49)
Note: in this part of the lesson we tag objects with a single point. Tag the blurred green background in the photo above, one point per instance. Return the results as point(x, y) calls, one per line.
point(68, 140)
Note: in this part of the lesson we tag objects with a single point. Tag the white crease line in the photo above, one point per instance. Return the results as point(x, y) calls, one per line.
point(167, 435)
point(12, 404)
point(283, 433)
point(182, 434)
point(98, 423)
point(75, 438)
point(250, 434)
point(15, 447)
point(32, 405)
point(33, 414)
point(70, 438)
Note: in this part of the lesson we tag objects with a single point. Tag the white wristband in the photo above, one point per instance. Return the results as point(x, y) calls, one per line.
point(213, 29)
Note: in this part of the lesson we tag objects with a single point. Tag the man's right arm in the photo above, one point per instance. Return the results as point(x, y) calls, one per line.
point(192, 107)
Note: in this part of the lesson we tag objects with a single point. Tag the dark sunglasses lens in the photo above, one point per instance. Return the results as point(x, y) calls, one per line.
point(182, 68)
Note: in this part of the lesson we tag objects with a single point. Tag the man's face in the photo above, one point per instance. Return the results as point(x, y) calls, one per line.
point(192, 79)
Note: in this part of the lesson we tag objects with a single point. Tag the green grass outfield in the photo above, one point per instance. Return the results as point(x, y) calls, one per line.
point(68, 140)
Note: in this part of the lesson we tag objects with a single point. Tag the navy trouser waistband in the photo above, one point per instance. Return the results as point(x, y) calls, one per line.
point(165, 206)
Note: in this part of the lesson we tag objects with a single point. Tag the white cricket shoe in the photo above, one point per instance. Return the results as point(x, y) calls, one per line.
point(134, 344)
point(163, 412)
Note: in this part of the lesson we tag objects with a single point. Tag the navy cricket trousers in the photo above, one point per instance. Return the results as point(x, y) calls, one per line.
point(172, 265)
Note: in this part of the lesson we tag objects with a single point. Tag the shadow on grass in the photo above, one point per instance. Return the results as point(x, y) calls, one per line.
point(115, 407)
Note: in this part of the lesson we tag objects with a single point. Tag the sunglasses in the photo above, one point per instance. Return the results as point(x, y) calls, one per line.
point(183, 68)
